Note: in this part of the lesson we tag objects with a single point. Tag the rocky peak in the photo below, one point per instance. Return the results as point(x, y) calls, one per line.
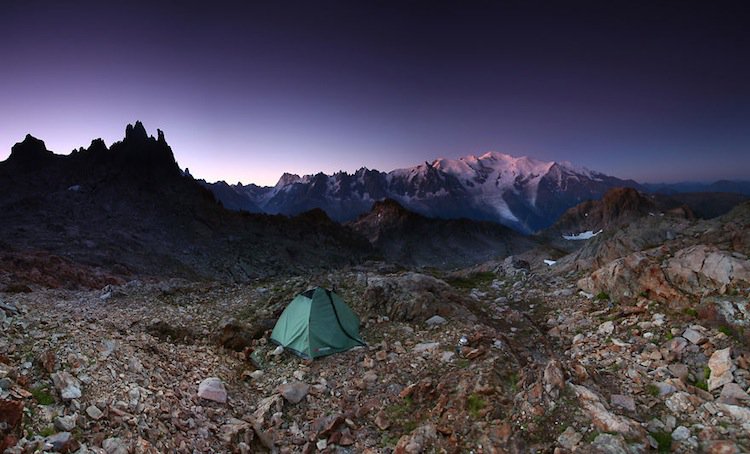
point(287, 179)
point(29, 151)
point(388, 207)
point(136, 133)
point(97, 146)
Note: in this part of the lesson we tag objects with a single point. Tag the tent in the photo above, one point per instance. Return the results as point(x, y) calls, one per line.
point(317, 323)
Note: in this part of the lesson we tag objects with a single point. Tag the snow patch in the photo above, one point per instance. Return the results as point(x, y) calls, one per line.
point(549, 262)
point(588, 234)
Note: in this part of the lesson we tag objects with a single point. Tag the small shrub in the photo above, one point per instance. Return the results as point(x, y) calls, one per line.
point(47, 431)
point(42, 395)
point(602, 296)
point(691, 312)
point(663, 441)
point(726, 330)
point(475, 404)
point(652, 390)
point(473, 280)
point(513, 383)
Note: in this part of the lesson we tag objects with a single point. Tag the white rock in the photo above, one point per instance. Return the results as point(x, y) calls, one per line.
point(681, 433)
point(447, 356)
point(67, 385)
point(94, 412)
point(66, 423)
point(693, 336)
point(606, 328)
point(435, 320)
point(426, 346)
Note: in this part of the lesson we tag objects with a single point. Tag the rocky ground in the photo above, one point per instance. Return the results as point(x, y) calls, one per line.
point(178, 366)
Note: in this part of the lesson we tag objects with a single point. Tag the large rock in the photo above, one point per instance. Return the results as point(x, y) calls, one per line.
point(294, 392)
point(632, 275)
point(213, 389)
point(701, 269)
point(413, 297)
point(603, 418)
point(697, 270)
point(721, 366)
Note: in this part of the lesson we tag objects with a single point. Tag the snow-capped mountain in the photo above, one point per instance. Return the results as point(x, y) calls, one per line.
point(520, 192)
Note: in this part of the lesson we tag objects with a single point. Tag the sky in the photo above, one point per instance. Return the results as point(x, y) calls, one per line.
point(657, 91)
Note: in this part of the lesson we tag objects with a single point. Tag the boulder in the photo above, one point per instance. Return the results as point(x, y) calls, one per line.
point(700, 269)
point(629, 276)
point(213, 389)
point(413, 297)
point(294, 392)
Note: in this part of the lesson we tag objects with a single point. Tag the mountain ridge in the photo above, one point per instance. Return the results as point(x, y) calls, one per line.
point(129, 207)
point(520, 192)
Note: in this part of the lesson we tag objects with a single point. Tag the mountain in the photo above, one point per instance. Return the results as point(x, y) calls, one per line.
point(523, 193)
point(618, 206)
point(414, 240)
point(130, 210)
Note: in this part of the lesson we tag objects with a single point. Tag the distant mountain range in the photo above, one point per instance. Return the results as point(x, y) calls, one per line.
point(519, 192)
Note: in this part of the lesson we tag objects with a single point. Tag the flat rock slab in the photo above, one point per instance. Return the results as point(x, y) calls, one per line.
point(213, 389)
point(721, 366)
point(694, 336)
point(626, 402)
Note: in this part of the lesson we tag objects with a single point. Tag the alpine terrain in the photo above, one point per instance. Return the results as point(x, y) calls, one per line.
point(136, 311)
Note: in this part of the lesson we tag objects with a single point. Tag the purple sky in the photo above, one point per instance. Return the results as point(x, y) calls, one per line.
point(656, 91)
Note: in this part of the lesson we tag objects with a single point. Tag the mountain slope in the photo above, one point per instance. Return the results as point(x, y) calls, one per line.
point(411, 239)
point(519, 192)
point(130, 208)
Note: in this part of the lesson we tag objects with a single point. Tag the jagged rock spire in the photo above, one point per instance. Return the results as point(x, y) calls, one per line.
point(136, 132)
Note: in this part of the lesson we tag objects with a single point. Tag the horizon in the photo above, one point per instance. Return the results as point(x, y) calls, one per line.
point(352, 171)
point(246, 92)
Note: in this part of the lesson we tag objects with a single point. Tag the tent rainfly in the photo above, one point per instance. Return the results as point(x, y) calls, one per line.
point(317, 323)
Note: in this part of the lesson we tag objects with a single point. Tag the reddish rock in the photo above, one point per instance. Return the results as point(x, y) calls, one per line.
point(721, 447)
point(346, 438)
point(48, 360)
point(381, 420)
point(11, 415)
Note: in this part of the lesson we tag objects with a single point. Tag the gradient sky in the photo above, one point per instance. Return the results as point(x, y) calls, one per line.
point(655, 91)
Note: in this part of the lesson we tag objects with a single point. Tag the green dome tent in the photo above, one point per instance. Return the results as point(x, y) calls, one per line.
point(317, 323)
